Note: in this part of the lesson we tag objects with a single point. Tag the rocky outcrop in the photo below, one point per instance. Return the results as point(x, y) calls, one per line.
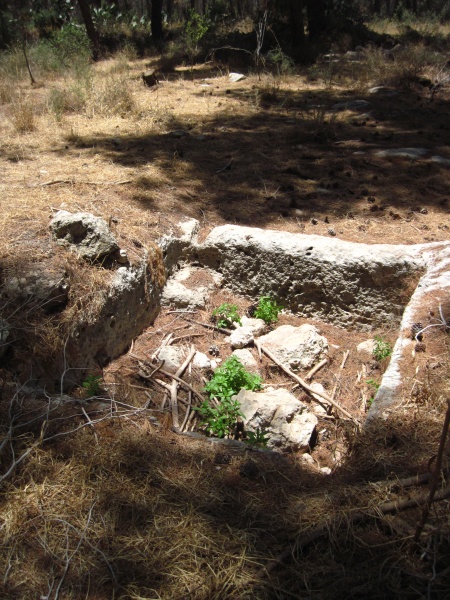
point(89, 235)
point(344, 283)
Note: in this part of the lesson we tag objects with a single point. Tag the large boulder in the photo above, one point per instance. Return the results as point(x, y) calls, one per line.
point(89, 235)
point(287, 421)
point(296, 347)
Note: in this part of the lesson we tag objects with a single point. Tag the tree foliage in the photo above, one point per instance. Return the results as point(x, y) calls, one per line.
point(301, 22)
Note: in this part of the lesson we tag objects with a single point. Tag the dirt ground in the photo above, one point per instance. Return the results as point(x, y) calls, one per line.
point(159, 515)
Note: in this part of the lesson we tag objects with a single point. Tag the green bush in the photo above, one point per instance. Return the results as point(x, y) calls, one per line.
point(230, 378)
point(226, 382)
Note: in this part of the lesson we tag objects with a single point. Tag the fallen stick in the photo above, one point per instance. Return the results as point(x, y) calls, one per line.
point(351, 519)
point(172, 376)
point(188, 408)
point(435, 476)
point(316, 368)
point(208, 326)
point(338, 376)
point(174, 389)
point(227, 166)
point(306, 386)
point(188, 335)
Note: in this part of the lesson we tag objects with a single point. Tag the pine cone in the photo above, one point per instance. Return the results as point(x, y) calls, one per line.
point(251, 310)
point(214, 350)
point(420, 347)
point(223, 458)
point(415, 329)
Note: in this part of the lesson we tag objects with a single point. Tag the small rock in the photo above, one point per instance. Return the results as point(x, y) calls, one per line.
point(173, 357)
point(241, 337)
point(235, 77)
point(201, 361)
point(247, 359)
point(296, 347)
point(325, 470)
point(307, 458)
point(258, 326)
point(367, 347)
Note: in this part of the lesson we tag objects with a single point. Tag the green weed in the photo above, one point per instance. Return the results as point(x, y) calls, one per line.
point(381, 349)
point(227, 381)
point(226, 315)
point(374, 387)
point(267, 310)
point(92, 385)
point(260, 437)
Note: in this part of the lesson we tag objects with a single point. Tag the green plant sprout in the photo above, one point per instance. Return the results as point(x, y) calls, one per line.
point(381, 349)
point(260, 437)
point(227, 314)
point(267, 310)
point(92, 385)
point(226, 382)
point(374, 387)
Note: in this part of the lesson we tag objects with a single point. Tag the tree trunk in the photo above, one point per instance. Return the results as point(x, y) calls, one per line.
point(90, 28)
point(317, 21)
point(296, 24)
point(157, 27)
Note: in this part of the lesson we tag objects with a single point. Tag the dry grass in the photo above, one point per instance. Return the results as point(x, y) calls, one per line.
point(125, 509)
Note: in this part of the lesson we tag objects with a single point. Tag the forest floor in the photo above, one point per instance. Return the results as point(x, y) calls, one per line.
point(123, 508)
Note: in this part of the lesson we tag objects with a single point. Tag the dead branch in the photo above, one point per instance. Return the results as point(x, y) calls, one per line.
point(208, 326)
point(72, 182)
point(88, 419)
point(339, 373)
point(434, 476)
point(316, 368)
point(188, 335)
point(350, 519)
point(306, 386)
point(174, 389)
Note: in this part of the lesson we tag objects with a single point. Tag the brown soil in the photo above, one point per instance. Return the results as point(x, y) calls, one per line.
point(162, 512)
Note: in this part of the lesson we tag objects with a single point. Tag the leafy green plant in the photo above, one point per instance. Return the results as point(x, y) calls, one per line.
point(227, 314)
point(230, 378)
point(92, 385)
point(267, 310)
point(381, 349)
point(226, 382)
point(196, 28)
point(260, 437)
point(220, 420)
point(374, 387)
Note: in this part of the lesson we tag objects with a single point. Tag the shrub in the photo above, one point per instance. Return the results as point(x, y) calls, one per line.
point(92, 385)
point(230, 378)
point(226, 382)
point(22, 115)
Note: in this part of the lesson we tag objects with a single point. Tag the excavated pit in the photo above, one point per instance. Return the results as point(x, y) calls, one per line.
point(352, 286)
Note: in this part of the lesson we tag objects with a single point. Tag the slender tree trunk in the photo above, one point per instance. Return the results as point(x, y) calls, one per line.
point(317, 21)
point(157, 27)
point(90, 28)
point(296, 24)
